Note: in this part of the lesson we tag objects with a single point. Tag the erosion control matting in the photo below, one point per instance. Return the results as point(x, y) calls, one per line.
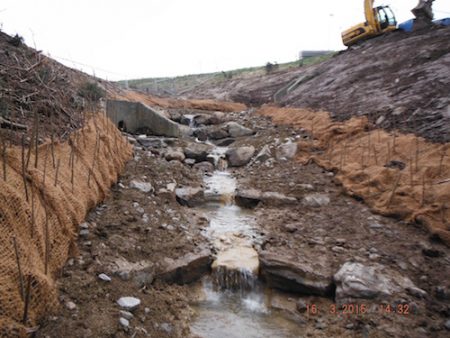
point(43, 198)
point(396, 174)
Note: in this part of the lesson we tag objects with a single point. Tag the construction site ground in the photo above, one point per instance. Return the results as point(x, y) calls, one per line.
point(344, 230)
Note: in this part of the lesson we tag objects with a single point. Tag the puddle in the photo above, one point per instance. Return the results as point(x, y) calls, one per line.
point(232, 302)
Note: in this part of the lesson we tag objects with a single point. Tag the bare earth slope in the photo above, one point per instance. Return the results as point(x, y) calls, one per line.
point(400, 79)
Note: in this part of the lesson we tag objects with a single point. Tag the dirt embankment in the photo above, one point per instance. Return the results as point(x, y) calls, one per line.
point(399, 80)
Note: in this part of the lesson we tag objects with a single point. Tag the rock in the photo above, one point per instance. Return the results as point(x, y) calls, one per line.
point(197, 151)
point(248, 198)
point(310, 274)
point(189, 161)
point(71, 306)
point(238, 157)
point(218, 134)
point(380, 120)
point(224, 142)
point(201, 134)
point(142, 186)
point(154, 142)
point(290, 227)
point(129, 303)
point(264, 154)
point(204, 167)
point(143, 278)
point(236, 130)
point(126, 314)
point(174, 154)
point(84, 233)
point(187, 269)
point(276, 199)
point(316, 200)
point(190, 196)
point(356, 281)
point(104, 277)
point(286, 151)
point(124, 322)
point(84, 225)
point(166, 327)
point(301, 306)
point(394, 164)
point(447, 325)
point(168, 192)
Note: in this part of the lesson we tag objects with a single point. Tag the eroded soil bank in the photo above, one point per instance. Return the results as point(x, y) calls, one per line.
point(314, 239)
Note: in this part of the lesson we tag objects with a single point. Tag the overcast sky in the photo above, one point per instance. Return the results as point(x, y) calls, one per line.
point(119, 39)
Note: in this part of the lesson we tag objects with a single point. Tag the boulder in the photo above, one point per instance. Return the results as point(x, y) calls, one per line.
point(308, 274)
point(190, 196)
point(238, 157)
point(316, 200)
point(152, 142)
point(358, 281)
point(286, 151)
point(187, 269)
point(236, 130)
point(201, 134)
point(248, 198)
point(197, 151)
point(218, 133)
point(204, 167)
point(174, 154)
point(210, 119)
point(168, 192)
point(142, 186)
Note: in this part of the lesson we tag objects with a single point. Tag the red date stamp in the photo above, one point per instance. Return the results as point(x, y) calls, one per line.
point(358, 309)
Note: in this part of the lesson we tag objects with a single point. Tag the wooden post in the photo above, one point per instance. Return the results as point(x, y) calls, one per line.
point(394, 188)
point(27, 301)
point(19, 268)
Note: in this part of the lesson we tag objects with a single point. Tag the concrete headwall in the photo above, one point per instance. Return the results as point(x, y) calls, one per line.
point(135, 115)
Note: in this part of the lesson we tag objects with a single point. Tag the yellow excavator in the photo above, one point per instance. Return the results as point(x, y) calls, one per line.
point(379, 20)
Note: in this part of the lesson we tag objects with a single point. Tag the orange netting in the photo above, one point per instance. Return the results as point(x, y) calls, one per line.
point(396, 174)
point(41, 206)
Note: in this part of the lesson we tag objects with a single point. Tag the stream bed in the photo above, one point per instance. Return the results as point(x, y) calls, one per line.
point(232, 301)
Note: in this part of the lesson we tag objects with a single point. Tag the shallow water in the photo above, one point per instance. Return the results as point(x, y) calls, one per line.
point(233, 304)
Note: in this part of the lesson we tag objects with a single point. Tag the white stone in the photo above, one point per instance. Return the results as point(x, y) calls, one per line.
point(124, 322)
point(129, 303)
point(71, 306)
point(104, 277)
point(142, 186)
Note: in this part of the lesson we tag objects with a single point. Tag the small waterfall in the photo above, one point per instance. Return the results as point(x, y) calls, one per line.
point(234, 279)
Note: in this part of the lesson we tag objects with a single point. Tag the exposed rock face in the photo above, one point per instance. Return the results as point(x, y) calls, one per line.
point(286, 151)
point(197, 151)
point(249, 198)
point(236, 130)
point(305, 275)
point(356, 281)
point(238, 157)
point(190, 196)
point(188, 268)
point(142, 186)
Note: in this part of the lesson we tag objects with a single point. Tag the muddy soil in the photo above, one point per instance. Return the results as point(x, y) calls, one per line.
point(340, 231)
point(398, 79)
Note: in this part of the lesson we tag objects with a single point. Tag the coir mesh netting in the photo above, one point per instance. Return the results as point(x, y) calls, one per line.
point(43, 198)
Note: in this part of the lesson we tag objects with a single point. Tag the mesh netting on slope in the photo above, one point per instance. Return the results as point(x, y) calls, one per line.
point(41, 205)
point(398, 175)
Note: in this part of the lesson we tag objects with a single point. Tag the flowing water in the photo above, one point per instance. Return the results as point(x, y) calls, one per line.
point(233, 303)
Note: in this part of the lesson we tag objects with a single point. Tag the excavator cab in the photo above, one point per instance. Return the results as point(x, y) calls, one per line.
point(379, 20)
point(386, 18)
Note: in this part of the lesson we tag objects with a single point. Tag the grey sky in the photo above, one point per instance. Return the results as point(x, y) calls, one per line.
point(141, 38)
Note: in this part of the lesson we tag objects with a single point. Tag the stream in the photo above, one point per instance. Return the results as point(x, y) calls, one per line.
point(233, 302)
